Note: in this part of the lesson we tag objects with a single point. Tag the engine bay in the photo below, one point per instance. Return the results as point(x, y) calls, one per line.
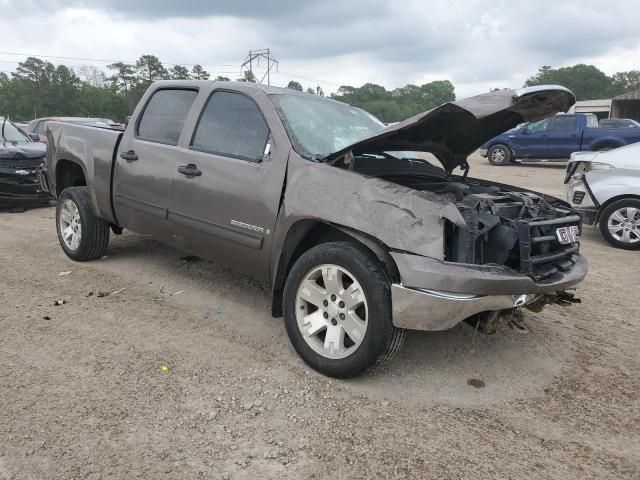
point(504, 225)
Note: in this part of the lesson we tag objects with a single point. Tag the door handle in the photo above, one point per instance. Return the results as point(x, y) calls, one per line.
point(129, 156)
point(190, 170)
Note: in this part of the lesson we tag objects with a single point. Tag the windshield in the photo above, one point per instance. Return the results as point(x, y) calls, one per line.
point(319, 127)
point(11, 133)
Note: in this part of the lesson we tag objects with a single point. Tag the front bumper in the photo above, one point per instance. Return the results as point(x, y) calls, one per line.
point(483, 152)
point(421, 309)
point(437, 295)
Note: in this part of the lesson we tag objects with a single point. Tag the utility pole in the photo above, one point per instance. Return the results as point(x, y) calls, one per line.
point(256, 55)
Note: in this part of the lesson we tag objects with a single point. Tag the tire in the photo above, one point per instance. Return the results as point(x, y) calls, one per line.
point(499, 155)
point(614, 222)
point(361, 281)
point(605, 148)
point(89, 235)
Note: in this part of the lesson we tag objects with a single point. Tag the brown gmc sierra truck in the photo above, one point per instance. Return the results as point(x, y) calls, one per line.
point(359, 235)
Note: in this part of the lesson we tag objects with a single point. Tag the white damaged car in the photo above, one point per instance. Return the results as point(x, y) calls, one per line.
point(604, 187)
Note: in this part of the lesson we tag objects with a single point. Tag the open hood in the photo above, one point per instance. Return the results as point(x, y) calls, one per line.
point(454, 130)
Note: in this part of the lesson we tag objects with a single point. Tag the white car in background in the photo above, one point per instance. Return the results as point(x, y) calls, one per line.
point(605, 188)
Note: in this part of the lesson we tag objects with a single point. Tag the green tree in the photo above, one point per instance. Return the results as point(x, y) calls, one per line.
point(436, 93)
point(222, 79)
point(199, 73)
point(623, 82)
point(311, 91)
point(247, 76)
point(124, 75)
point(293, 85)
point(178, 72)
point(586, 81)
point(400, 103)
point(149, 68)
point(34, 70)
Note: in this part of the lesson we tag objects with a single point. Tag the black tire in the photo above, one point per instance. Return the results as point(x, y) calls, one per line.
point(604, 148)
point(94, 236)
point(499, 155)
point(381, 340)
point(603, 223)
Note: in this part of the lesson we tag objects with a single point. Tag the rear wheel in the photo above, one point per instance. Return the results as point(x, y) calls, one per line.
point(620, 224)
point(499, 155)
point(604, 148)
point(337, 309)
point(82, 235)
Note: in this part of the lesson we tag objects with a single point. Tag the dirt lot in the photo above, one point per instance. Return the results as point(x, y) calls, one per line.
point(83, 393)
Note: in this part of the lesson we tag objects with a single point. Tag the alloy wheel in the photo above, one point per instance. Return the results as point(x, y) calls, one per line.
point(624, 225)
point(331, 311)
point(498, 155)
point(70, 226)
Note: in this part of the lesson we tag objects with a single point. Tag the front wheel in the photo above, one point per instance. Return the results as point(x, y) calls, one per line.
point(499, 155)
point(82, 235)
point(337, 309)
point(620, 224)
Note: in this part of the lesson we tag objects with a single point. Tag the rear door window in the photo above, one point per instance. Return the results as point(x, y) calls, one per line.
point(592, 121)
point(564, 124)
point(40, 128)
point(232, 125)
point(539, 126)
point(164, 115)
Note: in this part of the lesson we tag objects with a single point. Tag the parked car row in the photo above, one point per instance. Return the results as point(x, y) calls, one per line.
point(556, 138)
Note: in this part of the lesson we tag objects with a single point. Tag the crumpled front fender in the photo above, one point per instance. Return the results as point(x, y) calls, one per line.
point(400, 217)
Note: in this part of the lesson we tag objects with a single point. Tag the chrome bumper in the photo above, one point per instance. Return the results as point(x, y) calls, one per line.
point(422, 309)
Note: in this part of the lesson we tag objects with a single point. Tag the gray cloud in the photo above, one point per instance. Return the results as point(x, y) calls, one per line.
point(474, 43)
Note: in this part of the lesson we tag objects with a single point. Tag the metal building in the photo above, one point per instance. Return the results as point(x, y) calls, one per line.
point(600, 108)
point(626, 105)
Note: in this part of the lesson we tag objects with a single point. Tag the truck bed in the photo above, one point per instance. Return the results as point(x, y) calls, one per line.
point(92, 148)
point(592, 138)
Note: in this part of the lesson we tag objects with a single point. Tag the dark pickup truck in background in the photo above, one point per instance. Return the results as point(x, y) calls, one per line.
point(359, 236)
point(556, 138)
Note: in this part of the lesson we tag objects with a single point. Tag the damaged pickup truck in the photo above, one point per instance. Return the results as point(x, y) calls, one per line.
point(358, 233)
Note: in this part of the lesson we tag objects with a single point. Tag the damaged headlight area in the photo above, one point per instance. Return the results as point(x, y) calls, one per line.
point(20, 181)
point(519, 230)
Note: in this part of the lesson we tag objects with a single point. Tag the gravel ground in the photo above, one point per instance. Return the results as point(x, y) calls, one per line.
point(147, 382)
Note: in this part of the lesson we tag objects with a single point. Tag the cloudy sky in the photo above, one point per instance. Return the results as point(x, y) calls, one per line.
point(475, 44)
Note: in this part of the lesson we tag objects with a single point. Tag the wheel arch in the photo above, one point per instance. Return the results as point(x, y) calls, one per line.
point(607, 142)
point(69, 174)
point(306, 234)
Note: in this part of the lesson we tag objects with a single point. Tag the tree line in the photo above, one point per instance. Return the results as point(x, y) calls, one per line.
point(39, 88)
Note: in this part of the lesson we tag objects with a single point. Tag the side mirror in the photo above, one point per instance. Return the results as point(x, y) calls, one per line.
point(34, 136)
point(523, 131)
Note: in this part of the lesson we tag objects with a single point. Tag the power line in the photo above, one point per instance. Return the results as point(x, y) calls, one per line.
point(129, 62)
point(310, 79)
point(109, 61)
